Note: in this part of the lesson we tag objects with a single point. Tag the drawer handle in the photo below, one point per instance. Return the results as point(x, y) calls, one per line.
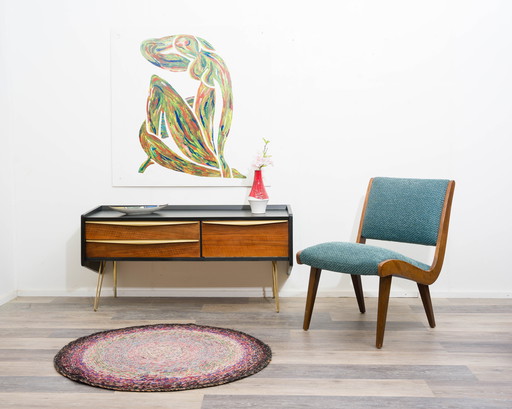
point(139, 223)
point(141, 241)
point(247, 222)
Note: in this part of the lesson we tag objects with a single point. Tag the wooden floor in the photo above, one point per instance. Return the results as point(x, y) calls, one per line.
point(465, 362)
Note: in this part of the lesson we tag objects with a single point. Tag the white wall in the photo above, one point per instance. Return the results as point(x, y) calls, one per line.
point(359, 89)
point(7, 272)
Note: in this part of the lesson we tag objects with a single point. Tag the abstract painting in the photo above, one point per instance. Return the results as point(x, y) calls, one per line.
point(184, 135)
point(189, 121)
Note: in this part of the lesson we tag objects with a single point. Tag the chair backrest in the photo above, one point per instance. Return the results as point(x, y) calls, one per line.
point(404, 210)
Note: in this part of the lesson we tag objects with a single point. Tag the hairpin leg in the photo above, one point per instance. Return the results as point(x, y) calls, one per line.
point(115, 278)
point(101, 273)
point(275, 285)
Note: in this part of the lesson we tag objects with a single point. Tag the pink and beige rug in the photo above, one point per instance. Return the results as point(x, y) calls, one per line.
point(164, 357)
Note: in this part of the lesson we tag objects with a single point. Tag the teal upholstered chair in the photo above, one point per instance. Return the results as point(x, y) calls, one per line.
point(401, 210)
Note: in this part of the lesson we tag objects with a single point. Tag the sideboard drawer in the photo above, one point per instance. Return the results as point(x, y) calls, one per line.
point(142, 239)
point(140, 230)
point(142, 249)
point(266, 238)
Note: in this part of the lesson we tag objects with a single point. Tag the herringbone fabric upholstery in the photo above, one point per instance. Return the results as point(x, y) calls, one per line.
point(404, 210)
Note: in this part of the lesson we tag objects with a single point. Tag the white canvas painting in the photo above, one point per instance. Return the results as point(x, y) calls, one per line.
point(188, 106)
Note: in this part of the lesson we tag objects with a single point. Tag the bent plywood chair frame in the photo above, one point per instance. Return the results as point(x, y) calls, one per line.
point(389, 268)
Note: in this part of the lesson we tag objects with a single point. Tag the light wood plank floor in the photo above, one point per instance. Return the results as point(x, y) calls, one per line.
point(465, 362)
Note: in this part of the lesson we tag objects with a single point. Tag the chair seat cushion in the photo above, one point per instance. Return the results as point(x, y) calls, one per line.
point(351, 258)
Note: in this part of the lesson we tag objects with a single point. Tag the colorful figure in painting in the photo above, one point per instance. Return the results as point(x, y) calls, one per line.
point(198, 131)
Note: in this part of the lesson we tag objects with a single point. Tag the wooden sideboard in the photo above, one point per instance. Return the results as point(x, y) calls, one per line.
point(191, 233)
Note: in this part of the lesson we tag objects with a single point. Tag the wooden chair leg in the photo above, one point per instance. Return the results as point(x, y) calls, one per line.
point(427, 304)
point(382, 311)
point(358, 289)
point(314, 279)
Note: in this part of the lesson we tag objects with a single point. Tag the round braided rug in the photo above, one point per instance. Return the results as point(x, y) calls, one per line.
point(164, 357)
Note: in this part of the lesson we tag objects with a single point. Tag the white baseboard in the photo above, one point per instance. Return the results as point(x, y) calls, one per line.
point(470, 294)
point(195, 292)
point(403, 294)
point(59, 293)
point(154, 292)
point(5, 298)
point(235, 292)
point(346, 294)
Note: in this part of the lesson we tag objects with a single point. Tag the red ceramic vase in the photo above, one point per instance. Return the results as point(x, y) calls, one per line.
point(258, 187)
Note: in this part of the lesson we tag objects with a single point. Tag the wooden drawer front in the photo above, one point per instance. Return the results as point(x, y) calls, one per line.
point(142, 239)
point(141, 230)
point(148, 250)
point(245, 239)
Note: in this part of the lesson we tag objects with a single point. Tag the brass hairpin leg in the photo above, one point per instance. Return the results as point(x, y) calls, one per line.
point(275, 284)
point(115, 278)
point(101, 272)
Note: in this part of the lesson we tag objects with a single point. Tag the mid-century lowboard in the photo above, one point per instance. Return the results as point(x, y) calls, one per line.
point(192, 233)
